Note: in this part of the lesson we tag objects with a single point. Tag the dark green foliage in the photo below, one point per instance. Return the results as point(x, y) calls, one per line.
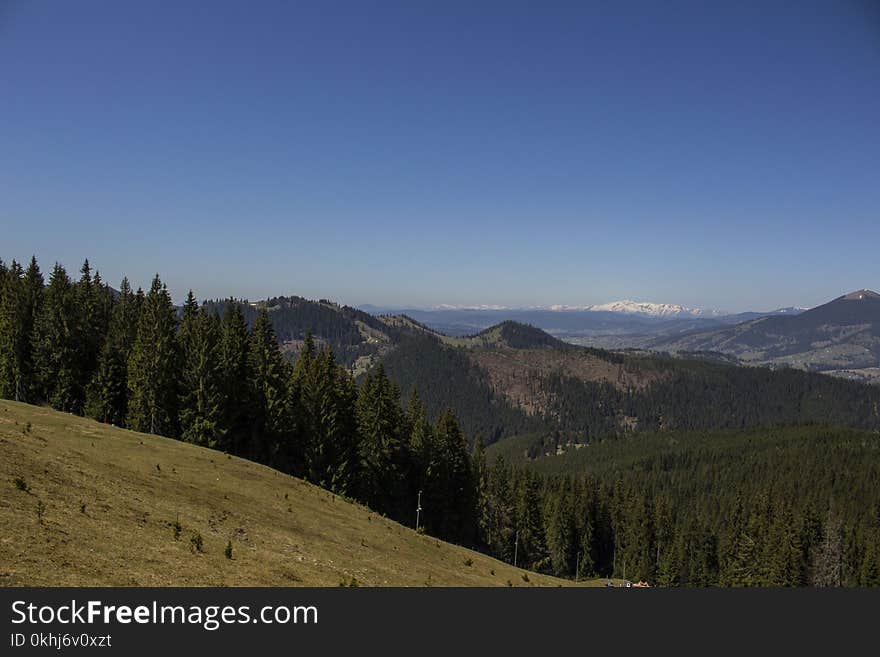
point(695, 395)
point(21, 297)
point(270, 411)
point(234, 381)
point(760, 507)
point(228, 551)
point(382, 455)
point(94, 303)
point(446, 378)
point(497, 520)
point(21, 484)
point(107, 398)
point(523, 336)
point(684, 395)
point(201, 401)
point(12, 336)
point(448, 498)
point(324, 396)
point(56, 345)
point(154, 366)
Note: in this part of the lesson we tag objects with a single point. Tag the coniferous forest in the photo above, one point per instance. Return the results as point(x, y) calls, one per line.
point(762, 506)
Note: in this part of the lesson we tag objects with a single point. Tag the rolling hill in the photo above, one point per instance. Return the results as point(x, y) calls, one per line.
point(512, 380)
point(841, 334)
point(86, 504)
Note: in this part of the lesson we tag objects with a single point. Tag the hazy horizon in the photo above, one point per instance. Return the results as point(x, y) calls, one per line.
point(710, 156)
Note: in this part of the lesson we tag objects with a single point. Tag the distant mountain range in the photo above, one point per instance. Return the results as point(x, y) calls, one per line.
point(614, 325)
point(841, 337)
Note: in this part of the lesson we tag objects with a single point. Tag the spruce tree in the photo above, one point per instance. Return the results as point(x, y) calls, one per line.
point(13, 335)
point(234, 381)
point(327, 428)
point(154, 366)
point(420, 442)
point(452, 474)
point(560, 532)
point(56, 345)
point(107, 399)
point(420, 450)
point(93, 318)
point(498, 523)
point(33, 306)
point(271, 426)
point(532, 552)
point(382, 447)
point(200, 409)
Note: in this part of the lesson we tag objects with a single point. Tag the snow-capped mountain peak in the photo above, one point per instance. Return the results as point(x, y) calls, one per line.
point(664, 310)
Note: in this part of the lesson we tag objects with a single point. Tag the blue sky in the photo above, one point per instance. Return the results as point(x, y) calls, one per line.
point(418, 153)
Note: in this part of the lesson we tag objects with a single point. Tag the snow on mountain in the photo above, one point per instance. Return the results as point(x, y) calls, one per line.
point(659, 310)
point(663, 310)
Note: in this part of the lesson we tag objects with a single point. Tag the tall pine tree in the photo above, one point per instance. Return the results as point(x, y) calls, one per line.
point(154, 366)
point(234, 381)
point(272, 425)
point(200, 410)
point(107, 399)
point(56, 345)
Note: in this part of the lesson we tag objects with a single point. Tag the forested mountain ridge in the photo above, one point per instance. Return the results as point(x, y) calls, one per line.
point(841, 334)
point(356, 337)
point(505, 384)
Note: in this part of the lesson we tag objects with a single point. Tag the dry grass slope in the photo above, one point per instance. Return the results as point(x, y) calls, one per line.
point(86, 504)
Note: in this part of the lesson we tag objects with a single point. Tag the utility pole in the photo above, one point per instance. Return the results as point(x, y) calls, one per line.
point(418, 510)
point(515, 548)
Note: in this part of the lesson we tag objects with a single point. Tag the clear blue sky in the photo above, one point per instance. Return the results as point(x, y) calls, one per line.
point(718, 154)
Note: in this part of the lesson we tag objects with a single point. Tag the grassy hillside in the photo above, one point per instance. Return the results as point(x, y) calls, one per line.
point(111, 498)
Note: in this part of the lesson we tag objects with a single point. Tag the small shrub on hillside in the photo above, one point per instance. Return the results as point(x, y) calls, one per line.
point(195, 542)
point(468, 562)
point(41, 510)
point(28, 427)
point(420, 531)
point(509, 583)
point(525, 577)
point(82, 507)
point(228, 551)
point(176, 529)
point(21, 484)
